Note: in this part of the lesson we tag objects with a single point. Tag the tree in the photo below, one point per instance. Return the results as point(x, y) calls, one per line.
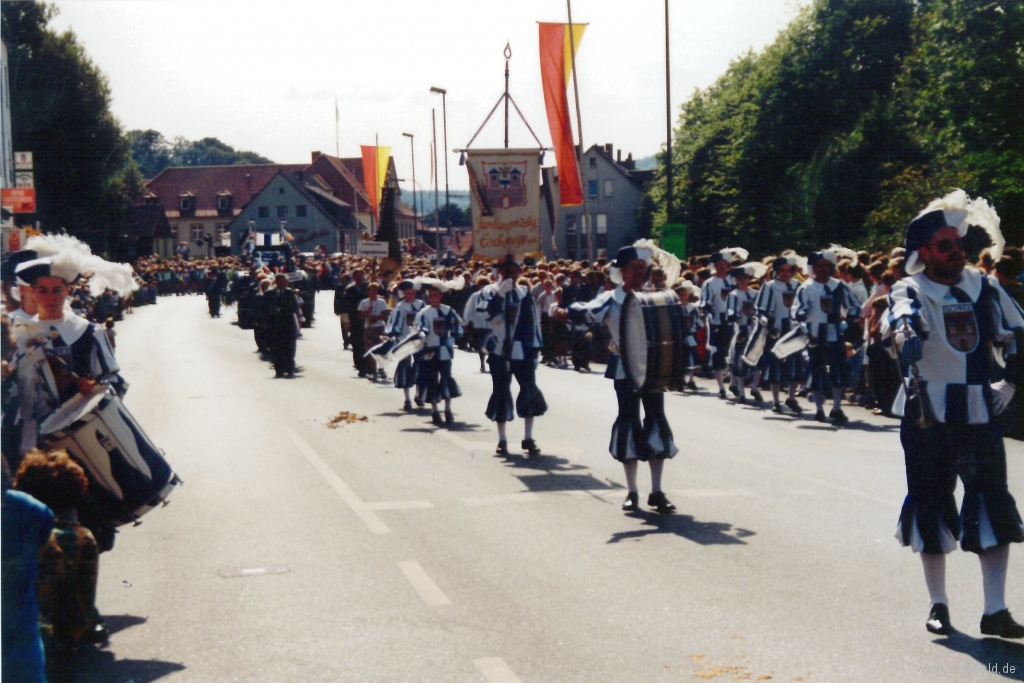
point(151, 151)
point(60, 111)
point(211, 152)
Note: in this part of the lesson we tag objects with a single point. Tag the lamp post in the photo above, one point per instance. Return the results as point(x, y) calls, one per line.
point(415, 210)
point(668, 128)
point(444, 119)
point(412, 150)
point(437, 221)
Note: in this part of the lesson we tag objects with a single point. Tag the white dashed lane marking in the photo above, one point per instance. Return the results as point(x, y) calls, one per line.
point(424, 585)
point(495, 670)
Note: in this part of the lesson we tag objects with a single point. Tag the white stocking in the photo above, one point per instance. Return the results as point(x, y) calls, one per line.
point(994, 563)
point(935, 577)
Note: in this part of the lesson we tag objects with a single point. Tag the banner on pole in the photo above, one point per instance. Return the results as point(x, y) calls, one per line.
point(504, 188)
point(555, 71)
point(375, 171)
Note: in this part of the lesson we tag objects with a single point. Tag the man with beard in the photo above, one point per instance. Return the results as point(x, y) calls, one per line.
point(945, 320)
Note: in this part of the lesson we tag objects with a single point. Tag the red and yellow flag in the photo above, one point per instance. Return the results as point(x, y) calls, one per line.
point(375, 171)
point(555, 71)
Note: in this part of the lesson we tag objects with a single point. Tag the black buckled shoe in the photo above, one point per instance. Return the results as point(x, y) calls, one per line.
point(407, 406)
point(691, 385)
point(660, 502)
point(793, 405)
point(502, 449)
point(435, 417)
point(531, 448)
point(721, 394)
point(777, 408)
point(756, 395)
point(820, 416)
point(1001, 624)
point(734, 390)
point(449, 419)
point(938, 620)
point(632, 502)
point(742, 400)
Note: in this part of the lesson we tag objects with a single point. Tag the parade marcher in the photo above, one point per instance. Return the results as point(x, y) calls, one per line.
point(356, 291)
point(373, 312)
point(632, 440)
point(742, 314)
point(282, 307)
point(476, 323)
point(400, 323)
point(945, 320)
point(215, 285)
point(514, 348)
point(18, 295)
point(714, 295)
point(689, 295)
point(774, 301)
point(831, 314)
point(442, 326)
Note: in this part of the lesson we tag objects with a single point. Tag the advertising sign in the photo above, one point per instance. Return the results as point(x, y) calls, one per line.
point(18, 199)
point(23, 161)
point(504, 188)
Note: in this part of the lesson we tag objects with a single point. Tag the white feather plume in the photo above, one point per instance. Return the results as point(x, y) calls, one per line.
point(666, 261)
point(72, 255)
point(844, 253)
point(755, 269)
point(797, 260)
point(733, 253)
point(983, 215)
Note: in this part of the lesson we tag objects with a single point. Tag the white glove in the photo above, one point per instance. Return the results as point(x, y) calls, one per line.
point(1002, 394)
point(506, 286)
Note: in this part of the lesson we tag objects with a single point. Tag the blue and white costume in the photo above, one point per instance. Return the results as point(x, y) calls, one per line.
point(402, 321)
point(957, 326)
point(714, 295)
point(692, 321)
point(631, 438)
point(773, 303)
point(514, 345)
point(826, 310)
point(742, 314)
point(442, 326)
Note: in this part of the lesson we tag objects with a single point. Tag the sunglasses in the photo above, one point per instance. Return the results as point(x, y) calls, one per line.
point(947, 246)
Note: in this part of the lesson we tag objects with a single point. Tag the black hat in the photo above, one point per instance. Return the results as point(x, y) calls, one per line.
point(15, 260)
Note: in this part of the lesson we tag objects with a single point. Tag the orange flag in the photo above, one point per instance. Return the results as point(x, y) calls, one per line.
point(375, 171)
point(555, 71)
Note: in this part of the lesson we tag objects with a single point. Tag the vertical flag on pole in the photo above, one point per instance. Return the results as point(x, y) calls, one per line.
point(555, 71)
point(375, 170)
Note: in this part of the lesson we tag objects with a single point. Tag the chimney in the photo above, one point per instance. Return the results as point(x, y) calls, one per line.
point(618, 156)
point(630, 164)
point(316, 155)
point(608, 150)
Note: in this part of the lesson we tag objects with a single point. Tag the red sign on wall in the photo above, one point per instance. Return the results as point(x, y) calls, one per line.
point(18, 199)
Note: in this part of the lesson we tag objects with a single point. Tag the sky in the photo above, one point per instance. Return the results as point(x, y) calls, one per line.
point(264, 76)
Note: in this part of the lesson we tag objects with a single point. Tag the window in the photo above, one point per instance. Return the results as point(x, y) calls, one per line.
point(593, 162)
point(196, 230)
point(174, 232)
point(609, 188)
point(300, 210)
point(184, 203)
point(601, 224)
point(223, 203)
point(591, 188)
point(219, 230)
point(571, 239)
point(282, 212)
point(263, 212)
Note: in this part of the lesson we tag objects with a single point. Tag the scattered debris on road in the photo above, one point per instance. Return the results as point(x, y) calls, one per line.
point(345, 417)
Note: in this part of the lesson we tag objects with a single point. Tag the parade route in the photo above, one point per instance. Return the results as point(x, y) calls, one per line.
point(389, 550)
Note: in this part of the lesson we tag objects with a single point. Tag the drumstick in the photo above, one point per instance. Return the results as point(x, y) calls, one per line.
point(923, 422)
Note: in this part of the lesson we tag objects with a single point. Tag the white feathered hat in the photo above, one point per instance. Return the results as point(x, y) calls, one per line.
point(68, 258)
point(955, 210)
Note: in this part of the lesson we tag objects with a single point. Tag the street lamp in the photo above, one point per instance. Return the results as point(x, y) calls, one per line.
point(444, 119)
point(416, 215)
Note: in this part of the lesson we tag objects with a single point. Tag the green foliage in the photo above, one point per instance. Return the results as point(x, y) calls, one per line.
point(855, 117)
point(153, 153)
point(60, 111)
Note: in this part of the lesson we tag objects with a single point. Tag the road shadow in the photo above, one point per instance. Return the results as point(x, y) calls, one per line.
point(995, 654)
point(684, 526)
point(550, 482)
point(852, 425)
point(102, 666)
point(119, 622)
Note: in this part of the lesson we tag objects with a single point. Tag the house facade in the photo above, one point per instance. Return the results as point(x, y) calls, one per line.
point(613, 189)
point(306, 208)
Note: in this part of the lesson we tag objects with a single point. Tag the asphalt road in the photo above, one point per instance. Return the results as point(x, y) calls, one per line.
point(387, 550)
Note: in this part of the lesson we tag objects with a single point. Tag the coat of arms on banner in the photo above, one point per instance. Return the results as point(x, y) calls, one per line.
point(748, 308)
point(961, 327)
point(505, 187)
point(787, 299)
point(826, 304)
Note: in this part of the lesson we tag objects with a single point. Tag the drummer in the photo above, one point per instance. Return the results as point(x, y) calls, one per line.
point(514, 345)
point(631, 440)
point(442, 325)
point(400, 323)
point(830, 312)
point(774, 300)
point(714, 295)
point(741, 315)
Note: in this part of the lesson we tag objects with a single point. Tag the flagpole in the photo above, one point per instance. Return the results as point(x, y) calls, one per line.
point(579, 128)
point(374, 196)
point(337, 141)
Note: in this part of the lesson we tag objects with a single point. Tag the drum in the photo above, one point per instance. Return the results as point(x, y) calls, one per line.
point(794, 341)
point(651, 338)
point(395, 351)
point(127, 473)
point(754, 349)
